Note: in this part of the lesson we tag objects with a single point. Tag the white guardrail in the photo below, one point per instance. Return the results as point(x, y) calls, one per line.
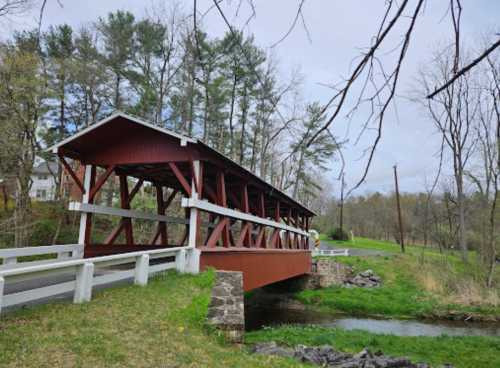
point(330, 252)
point(63, 252)
point(185, 260)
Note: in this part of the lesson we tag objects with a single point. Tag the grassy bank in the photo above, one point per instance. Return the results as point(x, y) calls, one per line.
point(160, 325)
point(418, 284)
point(462, 352)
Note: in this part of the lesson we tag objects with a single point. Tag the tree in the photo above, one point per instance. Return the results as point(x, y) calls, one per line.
point(89, 87)
point(312, 157)
point(487, 181)
point(59, 50)
point(453, 114)
point(118, 37)
point(22, 105)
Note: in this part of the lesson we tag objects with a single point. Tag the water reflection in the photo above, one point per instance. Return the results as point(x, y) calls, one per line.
point(258, 316)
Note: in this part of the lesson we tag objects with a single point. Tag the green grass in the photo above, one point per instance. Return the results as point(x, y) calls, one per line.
point(391, 247)
point(363, 243)
point(402, 293)
point(161, 325)
point(462, 352)
point(399, 295)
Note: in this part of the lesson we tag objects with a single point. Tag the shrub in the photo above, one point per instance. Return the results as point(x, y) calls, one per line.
point(338, 234)
point(43, 232)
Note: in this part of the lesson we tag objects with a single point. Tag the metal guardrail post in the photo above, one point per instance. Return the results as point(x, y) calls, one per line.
point(83, 287)
point(142, 270)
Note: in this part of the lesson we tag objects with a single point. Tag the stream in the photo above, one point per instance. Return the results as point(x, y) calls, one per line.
point(275, 310)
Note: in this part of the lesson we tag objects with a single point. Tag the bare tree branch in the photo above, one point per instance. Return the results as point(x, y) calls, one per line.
point(465, 69)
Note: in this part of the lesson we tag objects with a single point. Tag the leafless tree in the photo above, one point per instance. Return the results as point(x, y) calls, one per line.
point(487, 181)
point(454, 113)
point(378, 93)
point(15, 7)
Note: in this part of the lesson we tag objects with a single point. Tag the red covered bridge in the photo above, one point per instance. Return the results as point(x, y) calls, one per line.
point(233, 220)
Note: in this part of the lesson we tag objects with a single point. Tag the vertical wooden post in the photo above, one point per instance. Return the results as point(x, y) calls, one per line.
point(193, 212)
point(84, 235)
point(262, 239)
point(222, 199)
point(276, 238)
point(303, 227)
point(307, 230)
point(141, 270)
point(83, 283)
point(296, 236)
point(160, 203)
point(287, 234)
point(125, 203)
point(198, 175)
point(246, 225)
point(2, 286)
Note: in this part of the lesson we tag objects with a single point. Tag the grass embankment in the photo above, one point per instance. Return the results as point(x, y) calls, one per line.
point(462, 352)
point(161, 325)
point(421, 283)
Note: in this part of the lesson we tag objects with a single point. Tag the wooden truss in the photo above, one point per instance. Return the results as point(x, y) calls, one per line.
point(287, 228)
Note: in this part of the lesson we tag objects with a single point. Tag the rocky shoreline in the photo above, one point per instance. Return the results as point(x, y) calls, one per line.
point(326, 356)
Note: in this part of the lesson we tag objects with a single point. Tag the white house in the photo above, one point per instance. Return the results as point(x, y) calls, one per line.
point(44, 185)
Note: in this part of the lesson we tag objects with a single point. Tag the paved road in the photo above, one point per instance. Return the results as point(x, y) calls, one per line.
point(16, 287)
point(355, 251)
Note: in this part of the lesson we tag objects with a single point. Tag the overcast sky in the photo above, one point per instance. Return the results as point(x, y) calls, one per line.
point(338, 29)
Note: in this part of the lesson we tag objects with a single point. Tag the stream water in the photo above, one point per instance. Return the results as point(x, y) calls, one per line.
point(261, 314)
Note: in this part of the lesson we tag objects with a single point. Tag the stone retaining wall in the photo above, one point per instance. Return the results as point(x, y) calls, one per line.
point(325, 273)
point(226, 310)
point(332, 273)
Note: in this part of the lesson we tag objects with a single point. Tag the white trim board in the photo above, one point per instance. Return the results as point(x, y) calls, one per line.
point(103, 210)
point(117, 114)
point(210, 207)
point(47, 249)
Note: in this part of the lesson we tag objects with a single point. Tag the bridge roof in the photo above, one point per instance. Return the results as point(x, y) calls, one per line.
point(139, 149)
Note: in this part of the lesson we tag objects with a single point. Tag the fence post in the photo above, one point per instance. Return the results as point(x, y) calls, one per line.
point(180, 261)
point(83, 289)
point(9, 261)
point(141, 270)
point(193, 260)
point(2, 284)
point(77, 253)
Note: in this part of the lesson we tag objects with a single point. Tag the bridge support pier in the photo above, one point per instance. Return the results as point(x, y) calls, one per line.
point(227, 309)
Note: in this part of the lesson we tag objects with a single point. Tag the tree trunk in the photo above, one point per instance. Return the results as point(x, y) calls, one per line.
point(22, 211)
point(297, 175)
point(117, 93)
point(244, 112)
point(5, 198)
point(231, 113)
point(462, 240)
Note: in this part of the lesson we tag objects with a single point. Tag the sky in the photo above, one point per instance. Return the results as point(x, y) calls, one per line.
point(338, 30)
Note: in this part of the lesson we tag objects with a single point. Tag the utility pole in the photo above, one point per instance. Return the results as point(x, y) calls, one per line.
point(399, 210)
point(341, 220)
